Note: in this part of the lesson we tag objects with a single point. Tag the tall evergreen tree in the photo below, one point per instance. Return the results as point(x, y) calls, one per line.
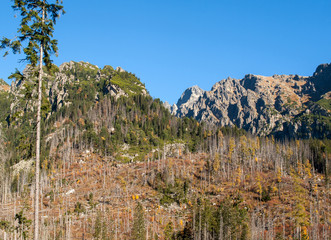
point(35, 39)
point(139, 230)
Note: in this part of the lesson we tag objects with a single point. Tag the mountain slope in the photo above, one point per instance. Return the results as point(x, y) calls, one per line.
point(109, 149)
point(106, 109)
point(4, 86)
point(281, 104)
point(75, 81)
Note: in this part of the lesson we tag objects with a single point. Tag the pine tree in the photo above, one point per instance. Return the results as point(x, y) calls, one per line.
point(38, 18)
point(139, 230)
point(168, 231)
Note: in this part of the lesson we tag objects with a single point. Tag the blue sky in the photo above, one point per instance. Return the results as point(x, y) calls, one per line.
point(174, 44)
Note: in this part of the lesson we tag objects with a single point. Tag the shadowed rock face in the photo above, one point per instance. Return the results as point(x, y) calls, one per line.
point(322, 79)
point(262, 105)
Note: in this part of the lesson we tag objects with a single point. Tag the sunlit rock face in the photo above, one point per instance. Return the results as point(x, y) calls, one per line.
point(263, 105)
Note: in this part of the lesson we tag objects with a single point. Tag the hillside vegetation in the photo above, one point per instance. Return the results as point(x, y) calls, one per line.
point(117, 165)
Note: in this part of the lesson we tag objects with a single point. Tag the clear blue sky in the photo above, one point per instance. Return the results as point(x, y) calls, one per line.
point(174, 44)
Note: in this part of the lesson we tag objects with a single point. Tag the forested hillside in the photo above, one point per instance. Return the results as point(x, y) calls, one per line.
point(116, 164)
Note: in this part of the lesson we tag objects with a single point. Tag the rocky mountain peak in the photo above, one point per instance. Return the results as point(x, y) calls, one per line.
point(262, 105)
point(250, 82)
point(76, 80)
point(190, 95)
point(187, 100)
point(323, 69)
point(172, 109)
point(322, 79)
point(119, 69)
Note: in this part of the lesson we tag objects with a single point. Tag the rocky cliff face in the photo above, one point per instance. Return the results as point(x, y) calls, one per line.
point(322, 80)
point(185, 104)
point(280, 104)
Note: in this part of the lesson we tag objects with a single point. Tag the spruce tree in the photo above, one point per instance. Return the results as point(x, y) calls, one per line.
point(35, 39)
point(139, 231)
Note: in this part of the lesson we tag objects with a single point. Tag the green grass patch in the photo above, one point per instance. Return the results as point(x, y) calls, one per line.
point(2, 82)
point(325, 103)
point(129, 83)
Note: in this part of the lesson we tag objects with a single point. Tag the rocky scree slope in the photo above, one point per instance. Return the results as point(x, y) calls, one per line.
point(281, 105)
